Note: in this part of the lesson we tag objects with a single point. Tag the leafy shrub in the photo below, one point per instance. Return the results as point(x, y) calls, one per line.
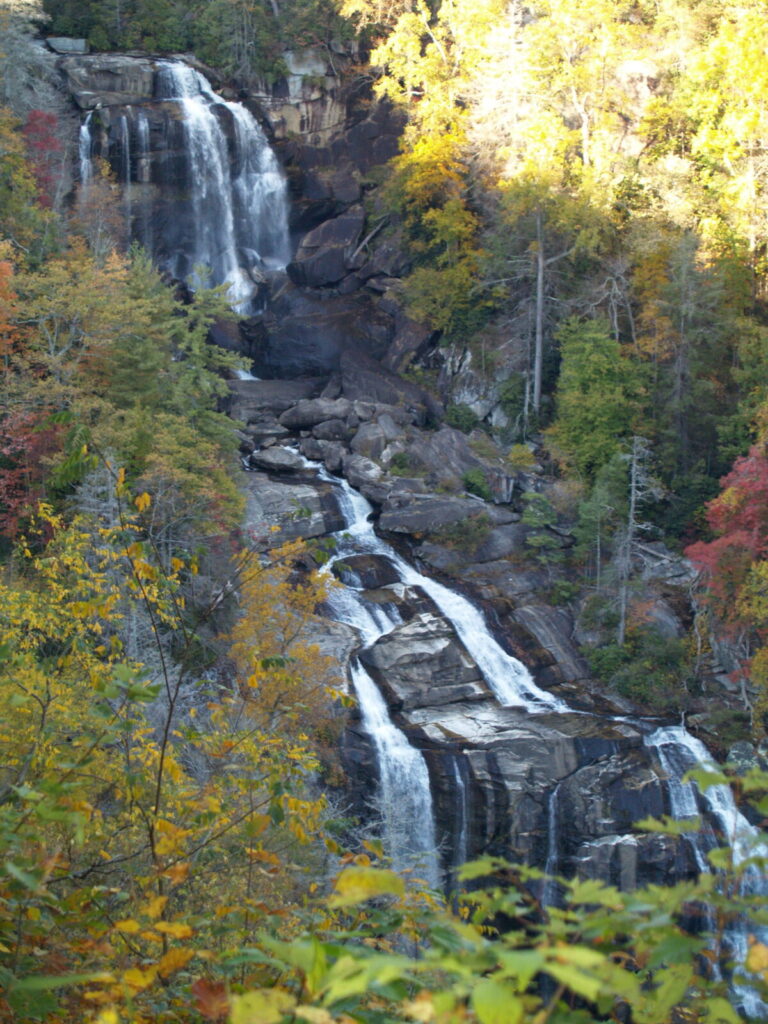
point(474, 481)
point(461, 417)
point(649, 668)
point(401, 464)
point(467, 533)
point(520, 456)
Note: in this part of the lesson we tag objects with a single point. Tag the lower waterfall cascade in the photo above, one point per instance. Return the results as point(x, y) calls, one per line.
point(405, 803)
point(232, 225)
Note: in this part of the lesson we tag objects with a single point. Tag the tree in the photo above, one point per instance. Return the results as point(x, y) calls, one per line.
point(123, 785)
point(597, 396)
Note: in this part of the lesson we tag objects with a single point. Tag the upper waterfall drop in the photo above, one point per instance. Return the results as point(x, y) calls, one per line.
point(239, 203)
point(209, 201)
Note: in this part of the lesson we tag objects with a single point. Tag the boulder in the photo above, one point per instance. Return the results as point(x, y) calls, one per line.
point(444, 455)
point(105, 80)
point(553, 629)
point(297, 509)
point(309, 412)
point(370, 440)
point(359, 471)
point(266, 428)
point(425, 513)
point(249, 400)
point(64, 44)
point(365, 379)
point(366, 572)
point(423, 663)
point(307, 334)
point(277, 460)
point(332, 430)
point(323, 256)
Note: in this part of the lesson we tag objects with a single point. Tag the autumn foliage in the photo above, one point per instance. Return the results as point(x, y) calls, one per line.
point(739, 519)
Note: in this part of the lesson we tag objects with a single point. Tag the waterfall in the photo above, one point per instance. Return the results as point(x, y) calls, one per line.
point(550, 889)
point(84, 152)
point(461, 829)
point(508, 678)
point(238, 201)
point(219, 196)
point(405, 796)
point(143, 231)
point(125, 169)
point(678, 752)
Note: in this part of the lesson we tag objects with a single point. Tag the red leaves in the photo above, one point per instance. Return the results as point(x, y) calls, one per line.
point(211, 999)
point(25, 439)
point(45, 152)
point(740, 516)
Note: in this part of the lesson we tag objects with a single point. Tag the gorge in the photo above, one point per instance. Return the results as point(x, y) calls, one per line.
point(501, 765)
point(475, 590)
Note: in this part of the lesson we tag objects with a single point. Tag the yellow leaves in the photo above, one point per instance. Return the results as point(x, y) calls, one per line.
point(174, 960)
point(757, 959)
point(139, 980)
point(260, 856)
point(358, 884)
point(313, 1015)
point(264, 1006)
point(108, 1016)
point(155, 907)
point(420, 1009)
point(177, 873)
point(258, 823)
point(177, 929)
point(128, 927)
point(142, 502)
point(170, 837)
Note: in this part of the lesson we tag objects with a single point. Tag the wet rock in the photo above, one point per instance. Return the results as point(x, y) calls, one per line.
point(249, 400)
point(324, 253)
point(553, 628)
point(333, 455)
point(422, 663)
point(366, 572)
point(308, 413)
point(277, 460)
point(307, 334)
point(105, 80)
point(297, 509)
point(360, 471)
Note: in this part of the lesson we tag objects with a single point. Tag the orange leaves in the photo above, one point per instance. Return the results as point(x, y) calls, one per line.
point(177, 873)
point(170, 838)
point(211, 999)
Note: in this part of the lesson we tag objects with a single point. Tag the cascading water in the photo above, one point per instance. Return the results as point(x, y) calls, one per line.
point(84, 152)
point(227, 221)
point(508, 678)
point(405, 798)
point(678, 752)
point(674, 749)
point(239, 209)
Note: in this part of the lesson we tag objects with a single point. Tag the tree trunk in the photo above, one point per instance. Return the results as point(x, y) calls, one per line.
point(538, 351)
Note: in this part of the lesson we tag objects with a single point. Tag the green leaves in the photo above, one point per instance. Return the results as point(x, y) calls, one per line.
point(358, 884)
point(494, 1002)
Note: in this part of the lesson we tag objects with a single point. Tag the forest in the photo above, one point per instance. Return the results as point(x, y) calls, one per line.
point(581, 192)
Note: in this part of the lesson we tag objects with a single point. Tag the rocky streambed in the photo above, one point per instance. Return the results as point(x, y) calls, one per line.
point(556, 781)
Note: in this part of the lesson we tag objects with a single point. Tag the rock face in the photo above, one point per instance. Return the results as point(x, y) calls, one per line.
point(519, 776)
point(556, 790)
